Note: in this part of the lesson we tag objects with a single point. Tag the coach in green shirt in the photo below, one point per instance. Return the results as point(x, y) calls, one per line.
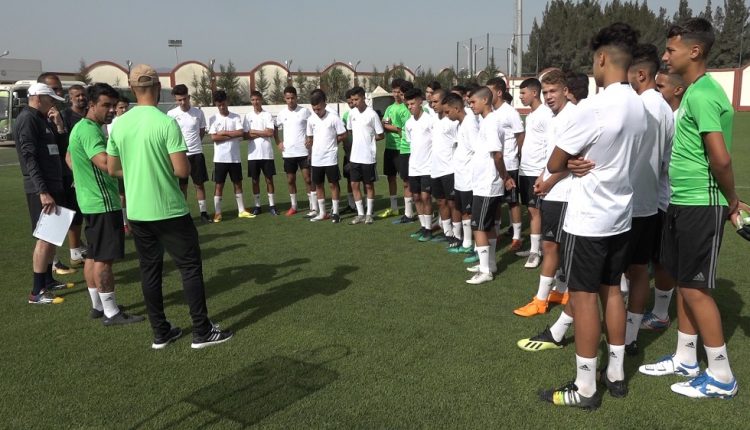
point(147, 149)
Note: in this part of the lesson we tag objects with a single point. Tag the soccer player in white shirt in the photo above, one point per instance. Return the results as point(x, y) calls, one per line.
point(260, 128)
point(418, 131)
point(533, 160)
point(192, 123)
point(227, 130)
point(293, 122)
point(646, 227)
point(443, 144)
point(608, 130)
point(325, 131)
point(365, 127)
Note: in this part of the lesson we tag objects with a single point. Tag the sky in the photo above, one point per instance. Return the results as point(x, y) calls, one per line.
point(311, 34)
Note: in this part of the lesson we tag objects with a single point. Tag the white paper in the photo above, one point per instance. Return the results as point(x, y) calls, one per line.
point(54, 227)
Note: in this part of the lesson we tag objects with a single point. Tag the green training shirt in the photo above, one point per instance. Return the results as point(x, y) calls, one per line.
point(96, 191)
point(705, 108)
point(143, 139)
point(399, 114)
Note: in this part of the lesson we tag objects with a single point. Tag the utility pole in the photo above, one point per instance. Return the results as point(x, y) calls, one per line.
point(471, 49)
point(457, 49)
point(519, 37)
point(487, 48)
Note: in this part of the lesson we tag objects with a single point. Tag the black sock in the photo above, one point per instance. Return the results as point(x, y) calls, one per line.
point(48, 276)
point(40, 281)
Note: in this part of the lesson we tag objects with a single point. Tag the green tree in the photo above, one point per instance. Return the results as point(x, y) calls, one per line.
point(335, 83)
point(228, 81)
point(202, 93)
point(261, 84)
point(683, 12)
point(83, 73)
point(730, 49)
point(303, 87)
point(277, 90)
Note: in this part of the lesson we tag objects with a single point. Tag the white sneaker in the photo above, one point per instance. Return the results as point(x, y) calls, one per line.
point(705, 386)
point(473, 269)
point(480, 278)
point(667, 366)
point(311, 214)
point(523, 253)
point(533, 261)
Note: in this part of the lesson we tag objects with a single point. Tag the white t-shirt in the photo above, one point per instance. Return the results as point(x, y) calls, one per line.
point(510, 122)
point(365, 126)
point(191, 123)
point(325, 132)
point(649, 158)
point(558, 123)
point(534, 151)
point(485, 179)
point(607, 130)
point(665, 192)
point(465, 138)
point(419, 134)
point(227, 151)
point(108, 127)
point(444, 133)
point(294, 125)
point(260, 148)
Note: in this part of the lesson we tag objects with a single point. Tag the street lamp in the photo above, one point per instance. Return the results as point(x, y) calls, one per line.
point(288, 65)
point(130, 66)
point(481, 48)
point(5, 53)
point(468, 58)
point(354, 66)
point(211, 75)
point(175, 43)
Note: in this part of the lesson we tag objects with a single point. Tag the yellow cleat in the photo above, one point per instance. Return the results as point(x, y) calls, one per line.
point(387, 213)
point(244, 214)
point(217, 217)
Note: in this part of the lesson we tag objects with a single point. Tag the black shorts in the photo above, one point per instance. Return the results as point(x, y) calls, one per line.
point(198, 171)
point(254, 167)
point(691, 243)
point(553, 216)
point(35, 206)
point(464, 200)
point(590, 262)
point(390, 162)
point(320, 173)
point(526, 190)
point(121, 185)
point(643, 239)
point(442, 187)
point(70, 200)
point(345, 167)
point(656, 256)
point(293, 163)
point(221, 170)
point(105, 237)
point(483, 212)
point(403, 166)
point(511, 196)
point(362, 172)
point(420, 184)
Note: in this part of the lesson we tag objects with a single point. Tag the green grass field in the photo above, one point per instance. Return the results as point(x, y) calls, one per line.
point(337, 326)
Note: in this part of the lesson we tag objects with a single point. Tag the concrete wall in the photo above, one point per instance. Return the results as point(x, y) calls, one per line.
point(186, 72)
point(108, 73)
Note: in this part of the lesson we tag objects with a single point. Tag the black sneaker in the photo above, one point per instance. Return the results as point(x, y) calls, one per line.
point(162, 342)
point(631, 349)
point(205, 218)
point(59, 268)
point(56, 285)
point(567, 395)
point(256, 211)
point(121, 319)
point(272, 210)
point(335, 218)
point(618, 389)
point(453, 242)
point(213, 337)
point(96, 314)
point(404, 220)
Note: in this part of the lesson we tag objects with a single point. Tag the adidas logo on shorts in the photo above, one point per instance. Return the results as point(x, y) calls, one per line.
point(550, 234)
point(699, 277)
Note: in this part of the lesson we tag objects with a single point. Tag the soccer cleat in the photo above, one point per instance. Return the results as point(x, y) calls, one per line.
point(205, 218)
point(45, 298)
point(541, 342)
point(122, 319)
point(705, 386)
point(385, 213)
point(245, 214)
point(57, 285)
point(77, 262)
point(272, 210)
point(368, 219)
point(480, 278)
point(311, 214)
point(667, 366)
point(558, 297)
point(319, 218)
point(256, 211)
point(417, 234)
point(346, 210)
point(215, 336)
point(472, 259)
point(516, 245)
point(440, 238)
point(652, 322)
point(567, 395)
point(509, 231)
point(523, 253)
point(359, 219)
point(335, 218)
point(162, 342)
point(96, 314)
point(534, 307)
point(217, 217)
point(291, 212)
point(533, 261)
point(405, 220)
point(453, 242)
point(426, 236)
point(61, 269)
point(618, 389)
point(631, 349)
point(459, 249)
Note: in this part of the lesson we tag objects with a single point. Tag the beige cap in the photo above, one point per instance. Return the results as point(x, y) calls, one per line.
point(141, 71)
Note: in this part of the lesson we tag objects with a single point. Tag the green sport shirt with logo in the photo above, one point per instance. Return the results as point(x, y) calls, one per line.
point(96, 191)
point(705, 108)
point(399, 114)
point(143, 139)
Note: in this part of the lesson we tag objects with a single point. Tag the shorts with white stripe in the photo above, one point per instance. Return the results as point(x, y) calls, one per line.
point(483, 211)
point(590, 262)
point(691, 241)
point(553, 215)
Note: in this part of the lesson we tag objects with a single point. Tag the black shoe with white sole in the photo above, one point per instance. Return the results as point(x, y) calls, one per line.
point(213, 337)
point(162, 341)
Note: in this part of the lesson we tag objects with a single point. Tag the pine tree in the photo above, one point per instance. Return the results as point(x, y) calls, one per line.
point(335, 83)
point(202, 93)
point(277, 91)
point(683, 12)
point(262, 84)
point(729, 44)
point(83, 73)
point(230, 83)
point(303, 91)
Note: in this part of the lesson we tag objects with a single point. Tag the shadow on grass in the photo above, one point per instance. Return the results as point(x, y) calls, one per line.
point(251, 394)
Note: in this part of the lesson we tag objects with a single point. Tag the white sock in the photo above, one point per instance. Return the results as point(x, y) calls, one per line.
point(586, 375)
point(202, 207)
point(217, 204)
point(96, 301)
point(313, 201)
point(632, 325)
point(615, 369)
point(75, 254)
point(360, 208)
point(350, 198)
point(517, 231)
point(718, 363)
point(124, 216)
point(426, 221)
point(240, 202)
point(445, 224)
point(561, 286)
point(109, 304)
point(457, 230)
point(686, 349)
point(408, 208)
point(394, 203)
point(536, 240)
point(271, 200)
point(370, 205)
point(466, 225)
point(624, 285)
point(661, 303)
point(321, 208)
point(484, 258)
point(335, 207)
point(561, 326)
point(498, 224)
point(293, 200)
point(493, 251)
point(545, 285)
point(256, 198)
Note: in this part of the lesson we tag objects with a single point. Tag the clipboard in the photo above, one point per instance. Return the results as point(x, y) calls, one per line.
point(53, 227)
